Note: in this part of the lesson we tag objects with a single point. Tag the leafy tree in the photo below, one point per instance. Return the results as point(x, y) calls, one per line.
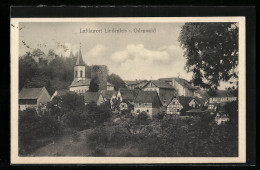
point(37, 52)
point(27, 69)
point(94, 85)
point(211, 50)
point(117, 81)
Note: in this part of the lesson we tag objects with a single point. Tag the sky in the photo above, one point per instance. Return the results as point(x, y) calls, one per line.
point(131, 55)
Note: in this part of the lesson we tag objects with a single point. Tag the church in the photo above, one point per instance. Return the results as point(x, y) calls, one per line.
point(80, 84)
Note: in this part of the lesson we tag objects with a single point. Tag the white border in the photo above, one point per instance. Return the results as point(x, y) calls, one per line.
point(15, 159)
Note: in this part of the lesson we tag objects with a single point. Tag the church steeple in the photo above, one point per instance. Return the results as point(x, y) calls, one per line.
point(79, 61)
point(79, 69)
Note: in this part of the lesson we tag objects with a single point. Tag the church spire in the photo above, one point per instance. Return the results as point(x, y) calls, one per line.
point(79, 61)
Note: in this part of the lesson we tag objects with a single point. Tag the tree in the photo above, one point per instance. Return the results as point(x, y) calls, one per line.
point(117, 81)
point(211, 50)
point(94, 85)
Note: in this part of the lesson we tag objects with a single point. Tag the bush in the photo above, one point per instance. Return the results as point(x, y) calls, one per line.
point(142, 116)
point(33, 127)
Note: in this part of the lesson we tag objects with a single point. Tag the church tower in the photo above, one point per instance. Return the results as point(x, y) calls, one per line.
point(79, 68)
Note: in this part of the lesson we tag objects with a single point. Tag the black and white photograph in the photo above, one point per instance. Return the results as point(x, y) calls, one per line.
point(130, 90)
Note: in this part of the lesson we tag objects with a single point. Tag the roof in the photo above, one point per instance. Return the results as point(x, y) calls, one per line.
point(145, 96)
point(167, 97)
point(62, 92)
point(91, 96)
point(127, 94)
point(185, 83)
point(30, 93)
point(181, 81)
point(184, 100)
point(79, 61)
point(134, 82)
point(85, 82)
point(160, 84)
point(223, 93)
point(201, 101)
point(108, 94)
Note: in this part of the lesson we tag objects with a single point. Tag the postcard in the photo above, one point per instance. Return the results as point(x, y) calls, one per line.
point(128, 90)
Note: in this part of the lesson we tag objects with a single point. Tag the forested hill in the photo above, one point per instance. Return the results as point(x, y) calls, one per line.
point(52, 71)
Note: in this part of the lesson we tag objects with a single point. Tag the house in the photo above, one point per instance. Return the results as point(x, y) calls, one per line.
point(126, 98)
point(93, 98)
point(164, 90)
point(178, 104)
point(33, 98)
point(198, 102)
point(147, 101)
point(108, 96)
point(137, 84)
point(222, 96)
point(110, 87)
point(59, 93)
point(182, 86)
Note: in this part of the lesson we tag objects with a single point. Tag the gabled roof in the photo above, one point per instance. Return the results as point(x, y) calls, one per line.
point(30, 93)
point(127, 94)
point(79, 61)
point(145, 97)
point(184, 100)
point(185, 83)
point(159, 84)
point(85, 82)
point(62, 92)
point(201, 101)
point(108, 94)
point(167, 98)
point(91, 96)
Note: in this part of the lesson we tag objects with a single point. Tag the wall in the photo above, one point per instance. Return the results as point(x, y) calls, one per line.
point(78, 69)
point(110, 88)
point(222, 99)
point(79, 89)
point(151, 87)
point(25, 106)
point(100, 71)
point(100, 100)
point(173, 106)
point(148, 110)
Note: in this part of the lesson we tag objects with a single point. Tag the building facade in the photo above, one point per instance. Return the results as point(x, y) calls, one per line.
point(33, 98)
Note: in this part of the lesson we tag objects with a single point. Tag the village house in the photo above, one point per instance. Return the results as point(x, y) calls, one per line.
point(126, 98)
point(108, 96)
point(137, 84)
point(59, 93)
point(149, 102)
point(222, 96)
point(164, 90)
point(93, 98)
point(182, 86)
point(177, 104)
point(33, 98)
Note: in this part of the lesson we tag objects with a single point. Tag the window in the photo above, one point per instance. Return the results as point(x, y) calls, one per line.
point(76, 74)
point(138, 111)
point(81, 73)
point(147, 111)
